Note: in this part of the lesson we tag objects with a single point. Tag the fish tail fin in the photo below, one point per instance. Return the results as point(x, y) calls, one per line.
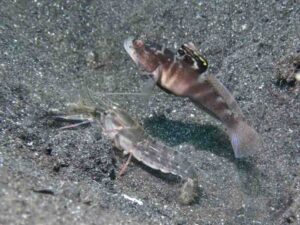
point(244, 139)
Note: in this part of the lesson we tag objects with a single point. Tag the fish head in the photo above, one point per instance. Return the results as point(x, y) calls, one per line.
point(173, 73)
point(146, 55)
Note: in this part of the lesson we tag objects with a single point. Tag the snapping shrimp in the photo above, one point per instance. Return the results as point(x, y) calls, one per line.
point(127, 135)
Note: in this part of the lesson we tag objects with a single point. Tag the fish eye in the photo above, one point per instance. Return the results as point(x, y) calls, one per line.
point(180, 52)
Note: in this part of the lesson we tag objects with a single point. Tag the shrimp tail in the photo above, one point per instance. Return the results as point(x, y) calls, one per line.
point(244, 139)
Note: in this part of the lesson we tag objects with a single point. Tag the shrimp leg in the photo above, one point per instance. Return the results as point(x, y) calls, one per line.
point(125, 165)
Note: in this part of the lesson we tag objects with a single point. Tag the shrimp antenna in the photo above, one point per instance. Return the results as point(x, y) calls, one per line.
point(104, 103)
point(122, 93)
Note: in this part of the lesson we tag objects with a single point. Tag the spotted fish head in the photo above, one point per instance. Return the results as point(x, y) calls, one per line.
point(189, 55)
point(146, 55)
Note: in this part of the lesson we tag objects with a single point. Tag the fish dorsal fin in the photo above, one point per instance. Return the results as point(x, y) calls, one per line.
point(189, 55)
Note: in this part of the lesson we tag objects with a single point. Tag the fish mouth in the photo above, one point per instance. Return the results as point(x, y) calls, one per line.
point(128, 45)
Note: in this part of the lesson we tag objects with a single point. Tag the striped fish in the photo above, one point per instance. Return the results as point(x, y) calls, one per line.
point(181, 74)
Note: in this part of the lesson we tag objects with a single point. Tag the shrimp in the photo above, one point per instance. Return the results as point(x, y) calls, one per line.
point(129, 136)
